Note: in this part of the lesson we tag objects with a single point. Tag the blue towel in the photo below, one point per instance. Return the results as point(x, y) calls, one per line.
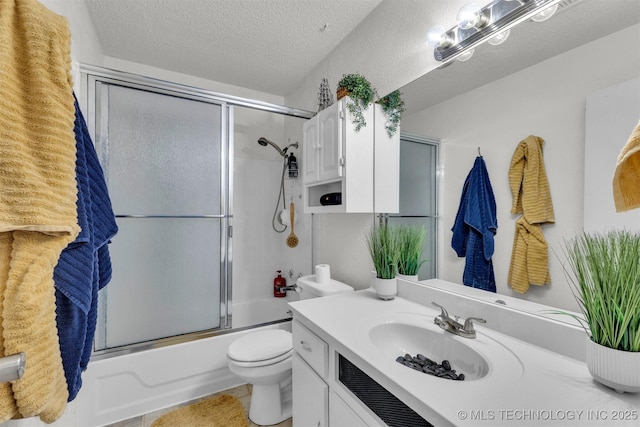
point(474, 228)
point(84, 266)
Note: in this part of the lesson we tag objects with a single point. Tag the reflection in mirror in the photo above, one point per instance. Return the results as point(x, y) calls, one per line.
point(419, 195)
point(537, 83)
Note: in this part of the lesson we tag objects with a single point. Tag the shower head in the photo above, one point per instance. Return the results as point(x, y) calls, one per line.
point(264, 142)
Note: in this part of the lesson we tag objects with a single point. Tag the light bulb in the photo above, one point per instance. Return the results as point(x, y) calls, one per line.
point(470, 16)
point(435, 36)
point(465, 56)
point(545, 14)
point(499, 38)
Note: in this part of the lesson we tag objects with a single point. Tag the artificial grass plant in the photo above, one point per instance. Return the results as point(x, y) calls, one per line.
point(382, 242)
point(606, 284)
point(410, 240)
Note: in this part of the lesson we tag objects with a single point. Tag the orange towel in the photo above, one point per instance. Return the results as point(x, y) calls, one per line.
point(38, 205)
point(626, 180)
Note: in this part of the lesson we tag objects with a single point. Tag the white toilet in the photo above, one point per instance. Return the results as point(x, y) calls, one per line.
point(263, 359)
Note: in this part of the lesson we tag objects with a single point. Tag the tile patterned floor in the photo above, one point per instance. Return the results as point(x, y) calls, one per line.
point(243, 393)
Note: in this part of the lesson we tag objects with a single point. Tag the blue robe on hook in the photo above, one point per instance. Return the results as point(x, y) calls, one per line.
point(474, 228)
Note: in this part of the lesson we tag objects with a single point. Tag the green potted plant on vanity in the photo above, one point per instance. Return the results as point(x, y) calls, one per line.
point(605, 279)
point(410, 241)
point(392, 107)
point(382, 242)
point(361, 94)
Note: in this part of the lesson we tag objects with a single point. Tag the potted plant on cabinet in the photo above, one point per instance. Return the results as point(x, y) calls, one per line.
point(361, 95)
point(392, 107)
point(382, 242)
point(605, 280)
point(410, 240)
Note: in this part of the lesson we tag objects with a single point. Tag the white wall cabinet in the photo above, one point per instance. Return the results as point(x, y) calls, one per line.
point(363, 166)
point(386, 165)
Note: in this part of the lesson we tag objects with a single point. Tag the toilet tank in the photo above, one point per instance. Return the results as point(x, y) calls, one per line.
point(309, 288)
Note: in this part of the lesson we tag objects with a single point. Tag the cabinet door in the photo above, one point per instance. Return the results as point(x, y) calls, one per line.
point(310, 396)
point(310, 151)
point(341, 415)
point(330, 142)
point(387, 166)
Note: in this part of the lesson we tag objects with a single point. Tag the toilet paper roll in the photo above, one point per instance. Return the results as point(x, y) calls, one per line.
point(323, 274)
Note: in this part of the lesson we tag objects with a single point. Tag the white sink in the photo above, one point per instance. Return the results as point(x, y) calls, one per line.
point(397, 338)
point(391, 335)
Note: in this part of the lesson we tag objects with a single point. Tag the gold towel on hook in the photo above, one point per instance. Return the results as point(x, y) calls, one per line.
point(38, 216)
point(626, 179)
point(532, 198)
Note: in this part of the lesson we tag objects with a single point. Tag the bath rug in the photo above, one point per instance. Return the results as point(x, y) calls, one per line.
point(221, 411)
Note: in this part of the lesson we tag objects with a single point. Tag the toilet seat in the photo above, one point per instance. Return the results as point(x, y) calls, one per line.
point(260, 363)
point(261, 348)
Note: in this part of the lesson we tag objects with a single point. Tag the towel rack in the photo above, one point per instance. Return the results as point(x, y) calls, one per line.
point(12, 367)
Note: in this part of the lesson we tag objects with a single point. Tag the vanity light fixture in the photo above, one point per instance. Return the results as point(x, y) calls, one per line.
point(466, 55)
point(545, 14)
point(499, 38)
point(491, 23)
point(471, 16)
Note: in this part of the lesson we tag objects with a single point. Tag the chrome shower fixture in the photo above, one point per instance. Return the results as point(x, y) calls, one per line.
point(283, 152)
point(288, 159)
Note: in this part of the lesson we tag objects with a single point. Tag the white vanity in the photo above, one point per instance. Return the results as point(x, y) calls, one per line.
point(521, 369)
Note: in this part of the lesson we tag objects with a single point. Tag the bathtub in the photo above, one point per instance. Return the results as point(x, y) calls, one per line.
point(259, 311)
point(129, 385)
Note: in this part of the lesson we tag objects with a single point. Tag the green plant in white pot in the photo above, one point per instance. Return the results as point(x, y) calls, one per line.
point(605, 279)
point(410, 241)
point(382, 242)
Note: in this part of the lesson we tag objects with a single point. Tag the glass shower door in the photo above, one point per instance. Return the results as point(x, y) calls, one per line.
point(418, 195)
point(164, 163)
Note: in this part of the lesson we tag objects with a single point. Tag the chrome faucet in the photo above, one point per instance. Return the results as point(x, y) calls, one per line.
point(445, 322)
point(293, 287)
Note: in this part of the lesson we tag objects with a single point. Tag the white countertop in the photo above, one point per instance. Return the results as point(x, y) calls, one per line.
point(546, 389)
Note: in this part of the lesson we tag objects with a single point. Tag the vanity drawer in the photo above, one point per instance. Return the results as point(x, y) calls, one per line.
point(311, 348)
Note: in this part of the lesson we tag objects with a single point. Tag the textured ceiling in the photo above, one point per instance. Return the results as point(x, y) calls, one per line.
point(271, 45)
point(265, 45)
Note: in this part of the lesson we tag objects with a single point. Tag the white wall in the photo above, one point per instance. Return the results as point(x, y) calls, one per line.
point(612, 113)
point(547, 100)
point(85, 46)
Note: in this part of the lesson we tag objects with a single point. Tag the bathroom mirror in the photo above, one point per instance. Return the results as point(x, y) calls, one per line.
point(538, 82)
